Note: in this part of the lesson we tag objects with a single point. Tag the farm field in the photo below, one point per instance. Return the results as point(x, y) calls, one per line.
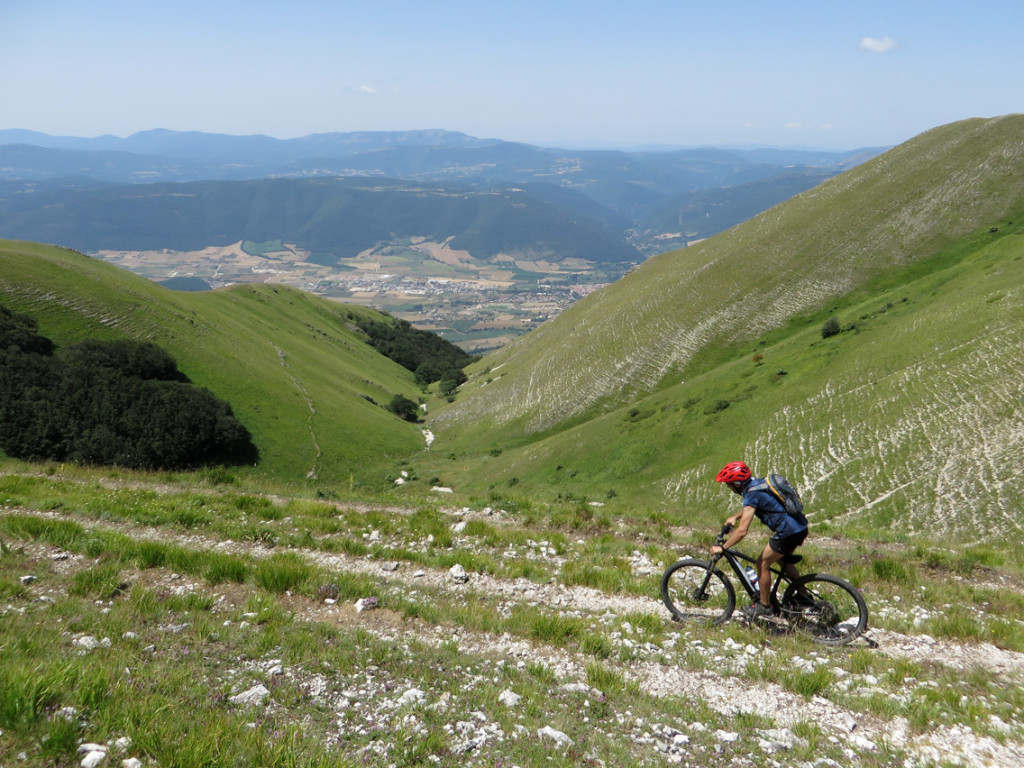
point(478, 304)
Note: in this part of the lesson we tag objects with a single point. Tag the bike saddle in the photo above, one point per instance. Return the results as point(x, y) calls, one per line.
point(792, 559)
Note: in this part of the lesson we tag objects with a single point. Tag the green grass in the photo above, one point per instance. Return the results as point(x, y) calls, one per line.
point(891, 570)
point(102, 582)
point(177, 691)
point(907, 360)
point(295, 371)
point(284, 572)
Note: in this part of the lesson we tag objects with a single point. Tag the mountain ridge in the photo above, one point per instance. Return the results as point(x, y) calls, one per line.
point(191, 143)
point(334, 218)
point(627, 184)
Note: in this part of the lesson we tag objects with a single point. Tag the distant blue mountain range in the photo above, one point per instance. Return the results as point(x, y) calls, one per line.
point(637, 202)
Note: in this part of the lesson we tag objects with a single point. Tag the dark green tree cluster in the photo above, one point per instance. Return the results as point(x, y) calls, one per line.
point(111, 403)
point(426, 354)
point(451, 380)
point(405, 408)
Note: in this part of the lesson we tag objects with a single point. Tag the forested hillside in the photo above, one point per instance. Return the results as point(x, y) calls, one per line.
point(109, 403)
point(333, 218)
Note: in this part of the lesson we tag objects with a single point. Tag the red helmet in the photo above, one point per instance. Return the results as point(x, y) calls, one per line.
point(732, 472)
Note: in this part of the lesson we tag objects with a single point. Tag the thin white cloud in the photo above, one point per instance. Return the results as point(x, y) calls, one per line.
point(367, 89)
point(796, 125)
point(877, 44)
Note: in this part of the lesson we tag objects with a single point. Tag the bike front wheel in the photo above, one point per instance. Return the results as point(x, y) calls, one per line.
point(825, 608)
point(693, 593)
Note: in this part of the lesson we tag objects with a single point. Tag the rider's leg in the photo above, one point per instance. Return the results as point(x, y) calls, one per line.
point(765, 561)
point(790, 571)
point(786, 545)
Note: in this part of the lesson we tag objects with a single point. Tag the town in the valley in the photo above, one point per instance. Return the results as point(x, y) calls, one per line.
point(479, 305)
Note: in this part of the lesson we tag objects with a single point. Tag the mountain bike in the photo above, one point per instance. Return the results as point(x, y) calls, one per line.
point(825, 608)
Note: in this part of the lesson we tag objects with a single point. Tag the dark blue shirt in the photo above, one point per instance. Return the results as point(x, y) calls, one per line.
point(769, 510)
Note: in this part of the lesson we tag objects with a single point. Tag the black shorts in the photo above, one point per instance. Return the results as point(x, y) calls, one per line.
point(785, 545)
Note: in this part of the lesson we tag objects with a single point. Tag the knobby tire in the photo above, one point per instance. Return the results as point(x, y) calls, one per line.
point(838, 614)
point(691, 596)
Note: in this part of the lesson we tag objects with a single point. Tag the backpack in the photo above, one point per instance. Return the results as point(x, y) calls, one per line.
point(784, 491)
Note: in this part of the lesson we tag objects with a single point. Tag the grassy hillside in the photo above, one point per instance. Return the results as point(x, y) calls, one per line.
point(685, 311)
point(296, 371)
point(906, 421)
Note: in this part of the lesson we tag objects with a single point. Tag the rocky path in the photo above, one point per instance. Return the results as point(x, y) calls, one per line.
point(720, 683)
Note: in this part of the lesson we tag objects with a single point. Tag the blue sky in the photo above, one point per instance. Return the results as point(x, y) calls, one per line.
point(828, 73)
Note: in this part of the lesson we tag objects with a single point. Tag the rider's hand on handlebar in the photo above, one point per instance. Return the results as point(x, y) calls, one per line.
point(720, 540)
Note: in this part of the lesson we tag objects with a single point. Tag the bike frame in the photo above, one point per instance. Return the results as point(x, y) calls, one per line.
point(737, 561)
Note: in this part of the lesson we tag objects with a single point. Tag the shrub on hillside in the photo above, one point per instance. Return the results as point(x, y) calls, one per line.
point(830, 328)
point(451, 380)
point(134, 359)
point(21, 333)
point(120, 403)
point(404, 407)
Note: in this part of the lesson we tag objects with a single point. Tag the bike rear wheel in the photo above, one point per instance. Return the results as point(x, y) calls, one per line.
point(693, 593)
point(827, 609)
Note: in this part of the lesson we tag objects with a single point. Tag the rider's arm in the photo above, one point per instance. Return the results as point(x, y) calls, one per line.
point(739, 532)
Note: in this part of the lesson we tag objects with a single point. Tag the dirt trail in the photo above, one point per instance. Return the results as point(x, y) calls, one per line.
point(726, 692)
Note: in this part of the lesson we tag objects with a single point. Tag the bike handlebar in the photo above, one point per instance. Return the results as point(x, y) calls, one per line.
point(726, 530)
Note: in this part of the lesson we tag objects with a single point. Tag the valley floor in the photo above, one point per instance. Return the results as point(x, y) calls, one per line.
point(478, 304)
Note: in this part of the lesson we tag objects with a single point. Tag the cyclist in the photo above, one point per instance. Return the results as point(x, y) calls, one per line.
point(789, 531)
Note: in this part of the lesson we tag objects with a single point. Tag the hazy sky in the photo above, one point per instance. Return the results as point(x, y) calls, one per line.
point(826, 73)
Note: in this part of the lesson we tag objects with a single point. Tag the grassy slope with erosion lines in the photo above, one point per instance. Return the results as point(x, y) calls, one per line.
point(661, 321)
point(294, 370)
point(906, 424)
